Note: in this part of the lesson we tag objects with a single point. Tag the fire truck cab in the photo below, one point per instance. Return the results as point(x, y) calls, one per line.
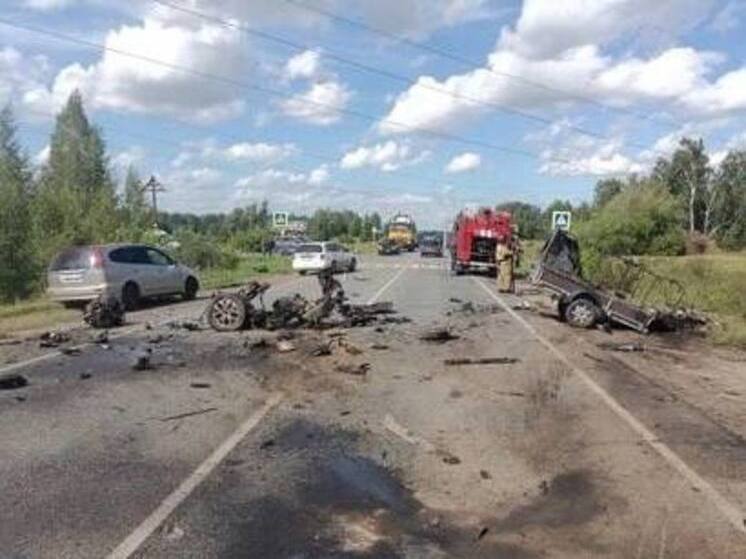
point(475, 236)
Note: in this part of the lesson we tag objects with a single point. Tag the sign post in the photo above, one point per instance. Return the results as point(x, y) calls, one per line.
point(280, 219)
point(561, 220)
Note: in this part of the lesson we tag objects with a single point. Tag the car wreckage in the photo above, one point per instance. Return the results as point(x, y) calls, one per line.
point(583, 305)
point(246, 309)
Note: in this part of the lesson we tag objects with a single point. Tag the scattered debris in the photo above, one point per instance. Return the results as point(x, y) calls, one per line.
point(12, 381)
point(189, 325)
point(285, 346)
point(323, 348)
point(53, 339)
point(156, 339)
point(626, 347)
point(455, 300)
point(101, 338)
point(357, 370)
point(484, 474)
point(188, 414)
point(345, 412)
point(142, 361)
point(71, 351)
point(379, 346)
point(104, 313)
point(14, 341)
point(269, 443)
point(480, 361)
point(451, 460)
point(351, 349)
point(173, 533)
point(85, 376)
point(523, 306)
point(482, 533)
point(200, 385)
point(439, 335)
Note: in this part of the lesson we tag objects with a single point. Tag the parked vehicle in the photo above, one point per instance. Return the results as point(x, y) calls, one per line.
point(431, 246)
point(126, 271)
point(314, 257)
point(388, 248)
point(475, 237)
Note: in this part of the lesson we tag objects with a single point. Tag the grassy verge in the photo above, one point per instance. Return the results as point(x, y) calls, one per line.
point(250, 266)
point(715, 284)
point(40, 312)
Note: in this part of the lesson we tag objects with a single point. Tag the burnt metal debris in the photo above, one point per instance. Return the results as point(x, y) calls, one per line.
point(12, 381)
point(245, 309)
point(104, 312)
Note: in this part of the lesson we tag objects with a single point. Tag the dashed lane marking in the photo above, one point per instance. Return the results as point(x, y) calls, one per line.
point(728, 510)
point(385, 287)
point(133, 542)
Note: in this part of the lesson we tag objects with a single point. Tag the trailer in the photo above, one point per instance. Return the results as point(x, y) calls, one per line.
point(580, 303)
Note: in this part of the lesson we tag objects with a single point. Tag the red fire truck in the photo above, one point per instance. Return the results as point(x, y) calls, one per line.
point(475, 236)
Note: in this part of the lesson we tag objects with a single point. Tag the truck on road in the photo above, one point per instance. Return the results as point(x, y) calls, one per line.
point(402, 232)
point(475, 237)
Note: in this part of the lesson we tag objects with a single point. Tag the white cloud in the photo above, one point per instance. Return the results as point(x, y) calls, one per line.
point(128, 84)
point(319, 175)
point(131, 156)
point(48, 5)
point(320, 104)
point(388, 156)
point(209, 150)
point(305, 65)
point(199, 189)
point(261, 152)
point(465, 162)
point(605, 161)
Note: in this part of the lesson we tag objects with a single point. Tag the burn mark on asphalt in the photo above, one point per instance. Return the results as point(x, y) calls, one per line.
point(569, 499)
point(322, 498)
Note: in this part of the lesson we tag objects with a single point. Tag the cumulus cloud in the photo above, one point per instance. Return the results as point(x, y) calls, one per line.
point(305, 65)
point(128, 157)
point(124, 83)
point(48, 5)
point(252, 152)
point(320, 104)
point(387, 156)
point(465, 162)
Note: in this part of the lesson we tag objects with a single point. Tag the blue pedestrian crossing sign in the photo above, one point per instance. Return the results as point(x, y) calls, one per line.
point(561, 220)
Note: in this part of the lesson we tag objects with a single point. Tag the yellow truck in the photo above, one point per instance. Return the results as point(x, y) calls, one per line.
point(401, 231)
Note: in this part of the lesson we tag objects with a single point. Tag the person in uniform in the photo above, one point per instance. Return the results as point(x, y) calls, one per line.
point(504, 262)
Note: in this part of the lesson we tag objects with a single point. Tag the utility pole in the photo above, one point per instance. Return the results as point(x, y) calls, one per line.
point(154, 187)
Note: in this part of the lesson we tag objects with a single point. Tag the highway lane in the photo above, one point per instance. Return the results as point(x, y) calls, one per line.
point(414, 459)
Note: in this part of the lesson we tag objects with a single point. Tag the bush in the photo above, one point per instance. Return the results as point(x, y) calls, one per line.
point(642, 220)
point(201, 252)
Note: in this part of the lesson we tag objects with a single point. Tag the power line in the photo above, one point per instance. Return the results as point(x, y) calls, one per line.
point(273, 92)
point(473, 65)
point(377, 70)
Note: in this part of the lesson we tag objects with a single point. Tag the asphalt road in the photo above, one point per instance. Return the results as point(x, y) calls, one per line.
point(229, 449)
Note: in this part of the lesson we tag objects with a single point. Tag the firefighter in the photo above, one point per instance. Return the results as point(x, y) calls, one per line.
point(504, 261)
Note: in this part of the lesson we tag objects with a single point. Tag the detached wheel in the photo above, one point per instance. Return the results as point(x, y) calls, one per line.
point(130, 296)
point(582, 313)
point(227, 313)
point(191, 287)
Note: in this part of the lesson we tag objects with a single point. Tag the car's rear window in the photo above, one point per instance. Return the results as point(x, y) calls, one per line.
point(76, 258)
point(309, 248)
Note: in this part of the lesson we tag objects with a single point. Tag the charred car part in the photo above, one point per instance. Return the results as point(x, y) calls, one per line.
point(104, 313)
point(228, 312)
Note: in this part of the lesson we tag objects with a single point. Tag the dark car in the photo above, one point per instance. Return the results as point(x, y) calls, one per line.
point(431, 246)
point(387, 247)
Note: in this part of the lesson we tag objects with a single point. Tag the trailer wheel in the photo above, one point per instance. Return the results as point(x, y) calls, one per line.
point(582, 313)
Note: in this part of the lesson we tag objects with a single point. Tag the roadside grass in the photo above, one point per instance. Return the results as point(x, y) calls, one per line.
point(714, 284)
point(250, 266)
point(40, 313)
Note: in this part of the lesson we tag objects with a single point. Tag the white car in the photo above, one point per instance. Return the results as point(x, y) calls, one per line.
point(127, 272)
point(314, 257)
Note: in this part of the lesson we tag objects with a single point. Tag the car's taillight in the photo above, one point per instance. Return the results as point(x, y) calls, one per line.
point(97, 259)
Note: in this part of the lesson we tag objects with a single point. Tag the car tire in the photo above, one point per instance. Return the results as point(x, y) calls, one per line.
point(130, 296)
point(191, 287)
point(227, 313)
point(353, 265)
point(582, 313)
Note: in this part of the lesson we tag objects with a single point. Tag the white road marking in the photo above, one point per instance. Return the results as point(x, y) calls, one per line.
point(731, 512)
point(385, 287)
point(132, 543)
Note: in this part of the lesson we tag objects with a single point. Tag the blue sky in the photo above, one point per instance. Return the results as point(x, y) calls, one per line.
point(535, 100)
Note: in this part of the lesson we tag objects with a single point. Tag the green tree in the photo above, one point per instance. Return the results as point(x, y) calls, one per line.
point(18, 263)
point(76, 200)
point(528, 217)
point(605, 190)
point(687, 175)
point(729, 204)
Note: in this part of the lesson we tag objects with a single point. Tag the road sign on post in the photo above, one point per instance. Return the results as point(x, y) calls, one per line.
point(280, 219)
point(561, 220)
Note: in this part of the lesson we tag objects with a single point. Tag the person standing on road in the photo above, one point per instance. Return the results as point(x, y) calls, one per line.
point(504, 263)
